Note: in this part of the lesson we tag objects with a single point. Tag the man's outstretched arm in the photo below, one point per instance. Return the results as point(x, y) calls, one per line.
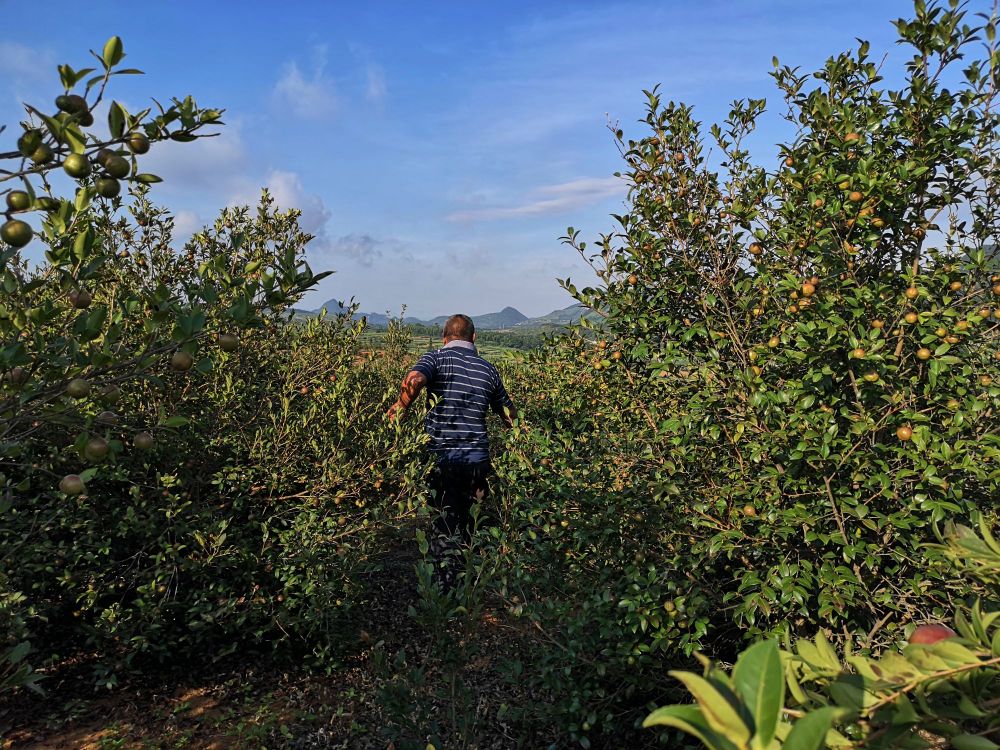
point(413, 383)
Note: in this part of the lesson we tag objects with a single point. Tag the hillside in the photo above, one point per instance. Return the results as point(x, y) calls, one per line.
point(508, 317)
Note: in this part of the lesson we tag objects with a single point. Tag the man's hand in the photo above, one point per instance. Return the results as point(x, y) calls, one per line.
point(396, 412)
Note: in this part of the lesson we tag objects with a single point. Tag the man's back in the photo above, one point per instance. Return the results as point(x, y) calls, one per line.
point(461, 387)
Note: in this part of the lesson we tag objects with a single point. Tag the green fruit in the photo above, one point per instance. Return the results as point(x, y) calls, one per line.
point(96, 449)
point(16, 233)
point(108, 187)
point(71, 484)
point(18, 200)
point(86, 119)
point(228, 342)
point(78, 388)
point(17, 377)
point(143, 441)
point(80, 299)
point(107, 418)
point(42, 155)
point(181, 361)
point(138, 143)
point(111, 394)
point(76, 165)
point(101, 156)
point(117, 166)
point(71, 103)
point(29, 141)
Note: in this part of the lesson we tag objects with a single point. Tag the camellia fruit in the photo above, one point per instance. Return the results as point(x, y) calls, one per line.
point(953, 404)
point(138, 143)
point(931, 633)
point(107, 418)
point(911, 292)
point(923, 353)
point(78, 388)
point(76, 166)
point(985, 380)
point(17, 377)
point(749, 511)
point(143, 441)
point(878, 324)
point(16, 233)
point(851, 137)
point(955, 286)
point(108, 187)
point(18, 200)
point(229, 342)
point(80, 298)
point(96, 449)
point(71, 484)
point(756, 249)
point(871, 376)
point(855, 196)
point(71, 104)
point(858, 353)
point(940, 332)
point(773, 342)
point(117, 166)
point(42, 155)
point(808, 289)
point(181, 361)
point(633, 279)
point(910, 317)
point(904, 433)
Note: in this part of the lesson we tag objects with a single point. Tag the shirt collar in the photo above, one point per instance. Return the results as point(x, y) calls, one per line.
point(458, 343)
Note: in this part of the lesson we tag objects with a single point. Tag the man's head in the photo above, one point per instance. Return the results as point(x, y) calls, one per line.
point(459, 328)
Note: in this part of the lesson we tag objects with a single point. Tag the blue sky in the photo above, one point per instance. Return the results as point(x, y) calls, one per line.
point(438, 149)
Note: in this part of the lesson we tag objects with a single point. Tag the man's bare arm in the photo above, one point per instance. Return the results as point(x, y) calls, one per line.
point(413, 383)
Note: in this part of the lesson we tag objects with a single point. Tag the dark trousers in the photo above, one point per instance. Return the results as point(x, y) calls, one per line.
point(456, 488)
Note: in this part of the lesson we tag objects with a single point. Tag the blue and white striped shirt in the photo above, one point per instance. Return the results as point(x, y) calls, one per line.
point(462, 385)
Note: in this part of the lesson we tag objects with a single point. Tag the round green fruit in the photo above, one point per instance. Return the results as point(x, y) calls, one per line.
point(181, 361)
point(71, 103)
point(108, 187)
point(80, 298)
point(17, 377)
point(76, 166)
point(143, 441)
point(85, 118)
point(29, 141)
point(138, 143)
point(18, 200)
point(71, 484)
point(78, 388)
point(42, 155)
point(16, 233)
point(96, 449)
point(117, 166)
point(228, 342)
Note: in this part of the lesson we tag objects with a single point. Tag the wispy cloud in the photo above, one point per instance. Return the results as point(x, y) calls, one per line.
point(376, 89)
point(549, 199)
point(310, 96)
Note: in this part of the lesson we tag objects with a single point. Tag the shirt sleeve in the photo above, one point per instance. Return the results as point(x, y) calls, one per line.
point(426, 366)
point(500, 399)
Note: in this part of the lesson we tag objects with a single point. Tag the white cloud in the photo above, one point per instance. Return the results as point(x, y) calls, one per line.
point(186, 223)
point(25, 64)
point(216, 162)
point(376, 90)
point(548, 199)
point(307, 96)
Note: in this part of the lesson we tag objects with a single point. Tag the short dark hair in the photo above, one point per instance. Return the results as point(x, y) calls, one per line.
point(459, 327)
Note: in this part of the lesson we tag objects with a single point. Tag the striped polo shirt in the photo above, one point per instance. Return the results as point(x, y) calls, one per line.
point(462, 386)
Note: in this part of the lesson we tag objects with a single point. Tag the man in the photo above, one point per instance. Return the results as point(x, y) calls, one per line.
point(461, 387)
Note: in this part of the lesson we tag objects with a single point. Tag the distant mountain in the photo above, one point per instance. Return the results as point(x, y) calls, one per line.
point(556, 318)
point(509, 317)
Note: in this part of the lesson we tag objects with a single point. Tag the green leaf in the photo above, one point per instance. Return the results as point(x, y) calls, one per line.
point(113, 51)
point(809, 732)
point(688, 719)
point(759, 681)
point(716, 707)
point(175, 421)
point(116, 120)
point(147, 179)
point(972, 742)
